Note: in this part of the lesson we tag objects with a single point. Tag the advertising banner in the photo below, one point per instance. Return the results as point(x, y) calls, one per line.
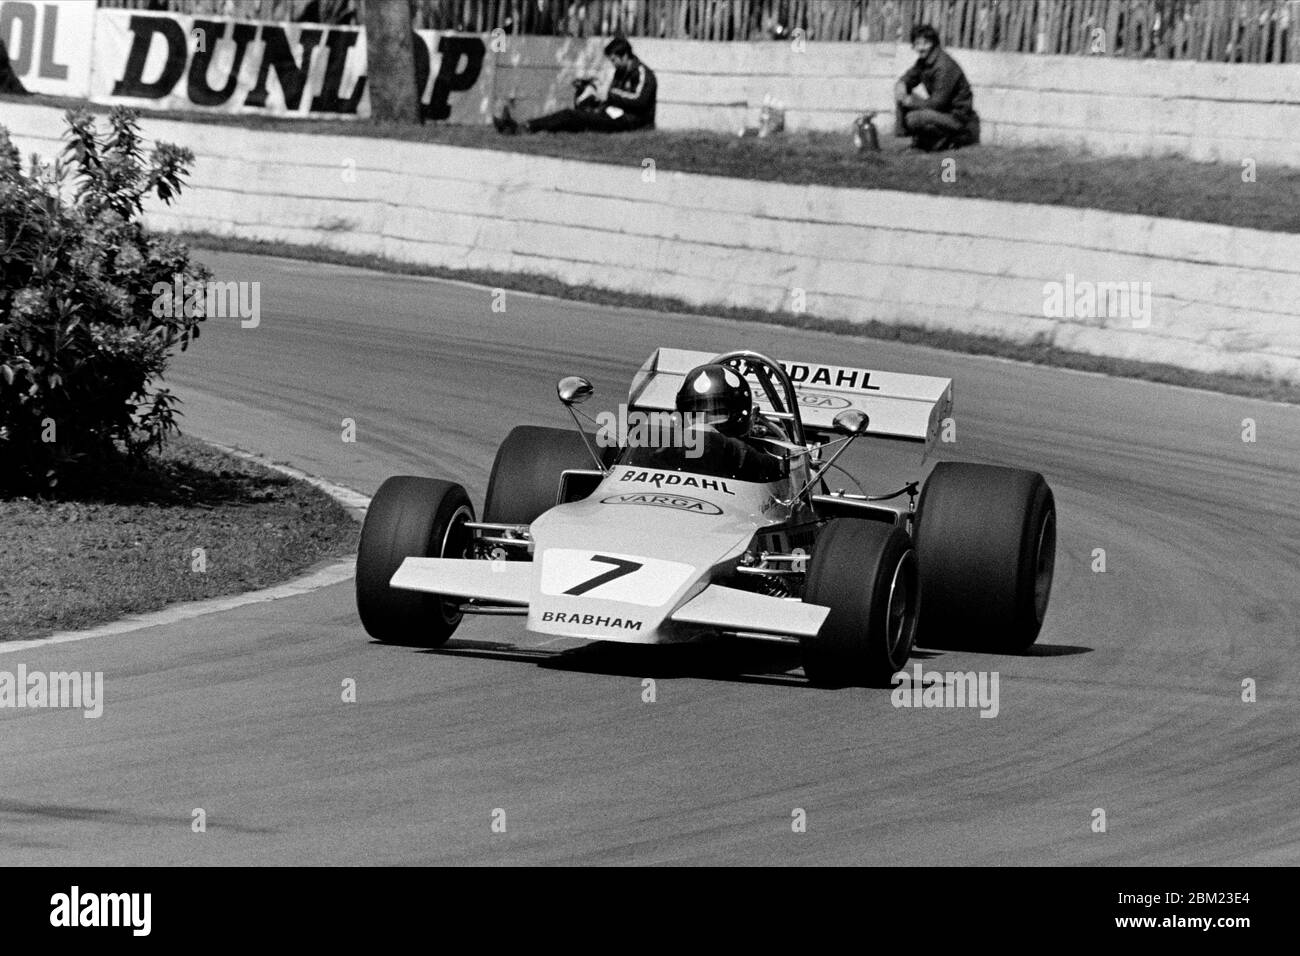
point(49, 44)
point(176, 62)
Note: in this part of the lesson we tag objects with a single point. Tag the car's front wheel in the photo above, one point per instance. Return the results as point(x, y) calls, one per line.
point(525, 479)
point(866, 573)
point(410, 517)
point(986, 541)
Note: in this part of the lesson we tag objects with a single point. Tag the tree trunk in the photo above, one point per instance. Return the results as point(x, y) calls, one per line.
point(390, 61)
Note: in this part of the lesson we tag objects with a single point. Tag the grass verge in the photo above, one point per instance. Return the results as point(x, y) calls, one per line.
point(1167, 187)
point(126, 543)
point(1038, 353)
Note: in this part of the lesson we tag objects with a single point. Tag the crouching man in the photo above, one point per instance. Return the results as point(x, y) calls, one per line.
point(946, 119)
point(629, 105)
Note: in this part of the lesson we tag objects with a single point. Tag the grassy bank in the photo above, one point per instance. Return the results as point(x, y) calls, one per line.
point(193, 524)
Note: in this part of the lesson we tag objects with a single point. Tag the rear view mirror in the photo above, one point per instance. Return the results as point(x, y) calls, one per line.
point(851, 422)
point(574, 390)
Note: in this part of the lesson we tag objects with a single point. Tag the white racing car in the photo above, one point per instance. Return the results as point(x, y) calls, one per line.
point(730, 529)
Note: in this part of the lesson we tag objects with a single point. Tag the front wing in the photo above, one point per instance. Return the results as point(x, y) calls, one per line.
point(510, 583)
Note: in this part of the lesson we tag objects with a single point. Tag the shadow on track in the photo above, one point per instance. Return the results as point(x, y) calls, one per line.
point(1034, 650)
point(736, 661)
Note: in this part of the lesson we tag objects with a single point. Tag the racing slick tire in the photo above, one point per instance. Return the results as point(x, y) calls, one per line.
point(525, 478)
point(986, 542)
point(410, 517)
point(866, 573)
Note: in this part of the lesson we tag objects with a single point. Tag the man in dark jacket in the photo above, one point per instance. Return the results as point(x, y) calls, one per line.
point(946, 119)
point(630, 103)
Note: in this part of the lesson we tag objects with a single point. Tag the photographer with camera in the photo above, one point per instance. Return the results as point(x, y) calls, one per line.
point(629, 105)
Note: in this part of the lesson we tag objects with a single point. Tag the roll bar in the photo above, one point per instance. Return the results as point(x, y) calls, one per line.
point(765, 370)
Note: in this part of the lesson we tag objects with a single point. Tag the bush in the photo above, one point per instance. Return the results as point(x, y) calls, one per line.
point(80, 344)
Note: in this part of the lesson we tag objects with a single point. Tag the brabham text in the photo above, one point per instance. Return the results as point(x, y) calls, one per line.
point(592, 620)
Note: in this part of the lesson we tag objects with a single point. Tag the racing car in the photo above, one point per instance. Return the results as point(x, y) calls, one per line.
point(736, 534)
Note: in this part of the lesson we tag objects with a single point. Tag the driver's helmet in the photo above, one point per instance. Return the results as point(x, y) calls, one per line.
point(719, 396)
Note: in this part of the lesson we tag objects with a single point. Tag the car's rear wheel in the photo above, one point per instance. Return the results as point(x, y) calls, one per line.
point(410, 517)
point(986, 543)
point(866, 573)
point(525, 478)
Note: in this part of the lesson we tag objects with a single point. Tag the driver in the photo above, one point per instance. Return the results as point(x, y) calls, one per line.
point(715, 401)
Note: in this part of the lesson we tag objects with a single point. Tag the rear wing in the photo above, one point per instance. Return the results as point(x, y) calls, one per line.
point(905, 407)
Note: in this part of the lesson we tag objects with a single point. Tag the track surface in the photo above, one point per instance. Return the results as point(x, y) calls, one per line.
point(1131, 701)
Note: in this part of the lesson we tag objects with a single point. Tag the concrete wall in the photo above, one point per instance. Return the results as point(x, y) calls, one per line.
point(1204, 111)
point(1222, 299)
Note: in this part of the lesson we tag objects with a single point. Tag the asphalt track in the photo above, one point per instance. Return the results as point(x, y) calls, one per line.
point(1130, 702)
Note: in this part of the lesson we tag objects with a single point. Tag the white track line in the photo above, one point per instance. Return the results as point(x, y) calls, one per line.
point(354, 501)
point(335, 573)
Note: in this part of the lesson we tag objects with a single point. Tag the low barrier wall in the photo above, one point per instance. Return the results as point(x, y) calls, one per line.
point(1205, 297)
